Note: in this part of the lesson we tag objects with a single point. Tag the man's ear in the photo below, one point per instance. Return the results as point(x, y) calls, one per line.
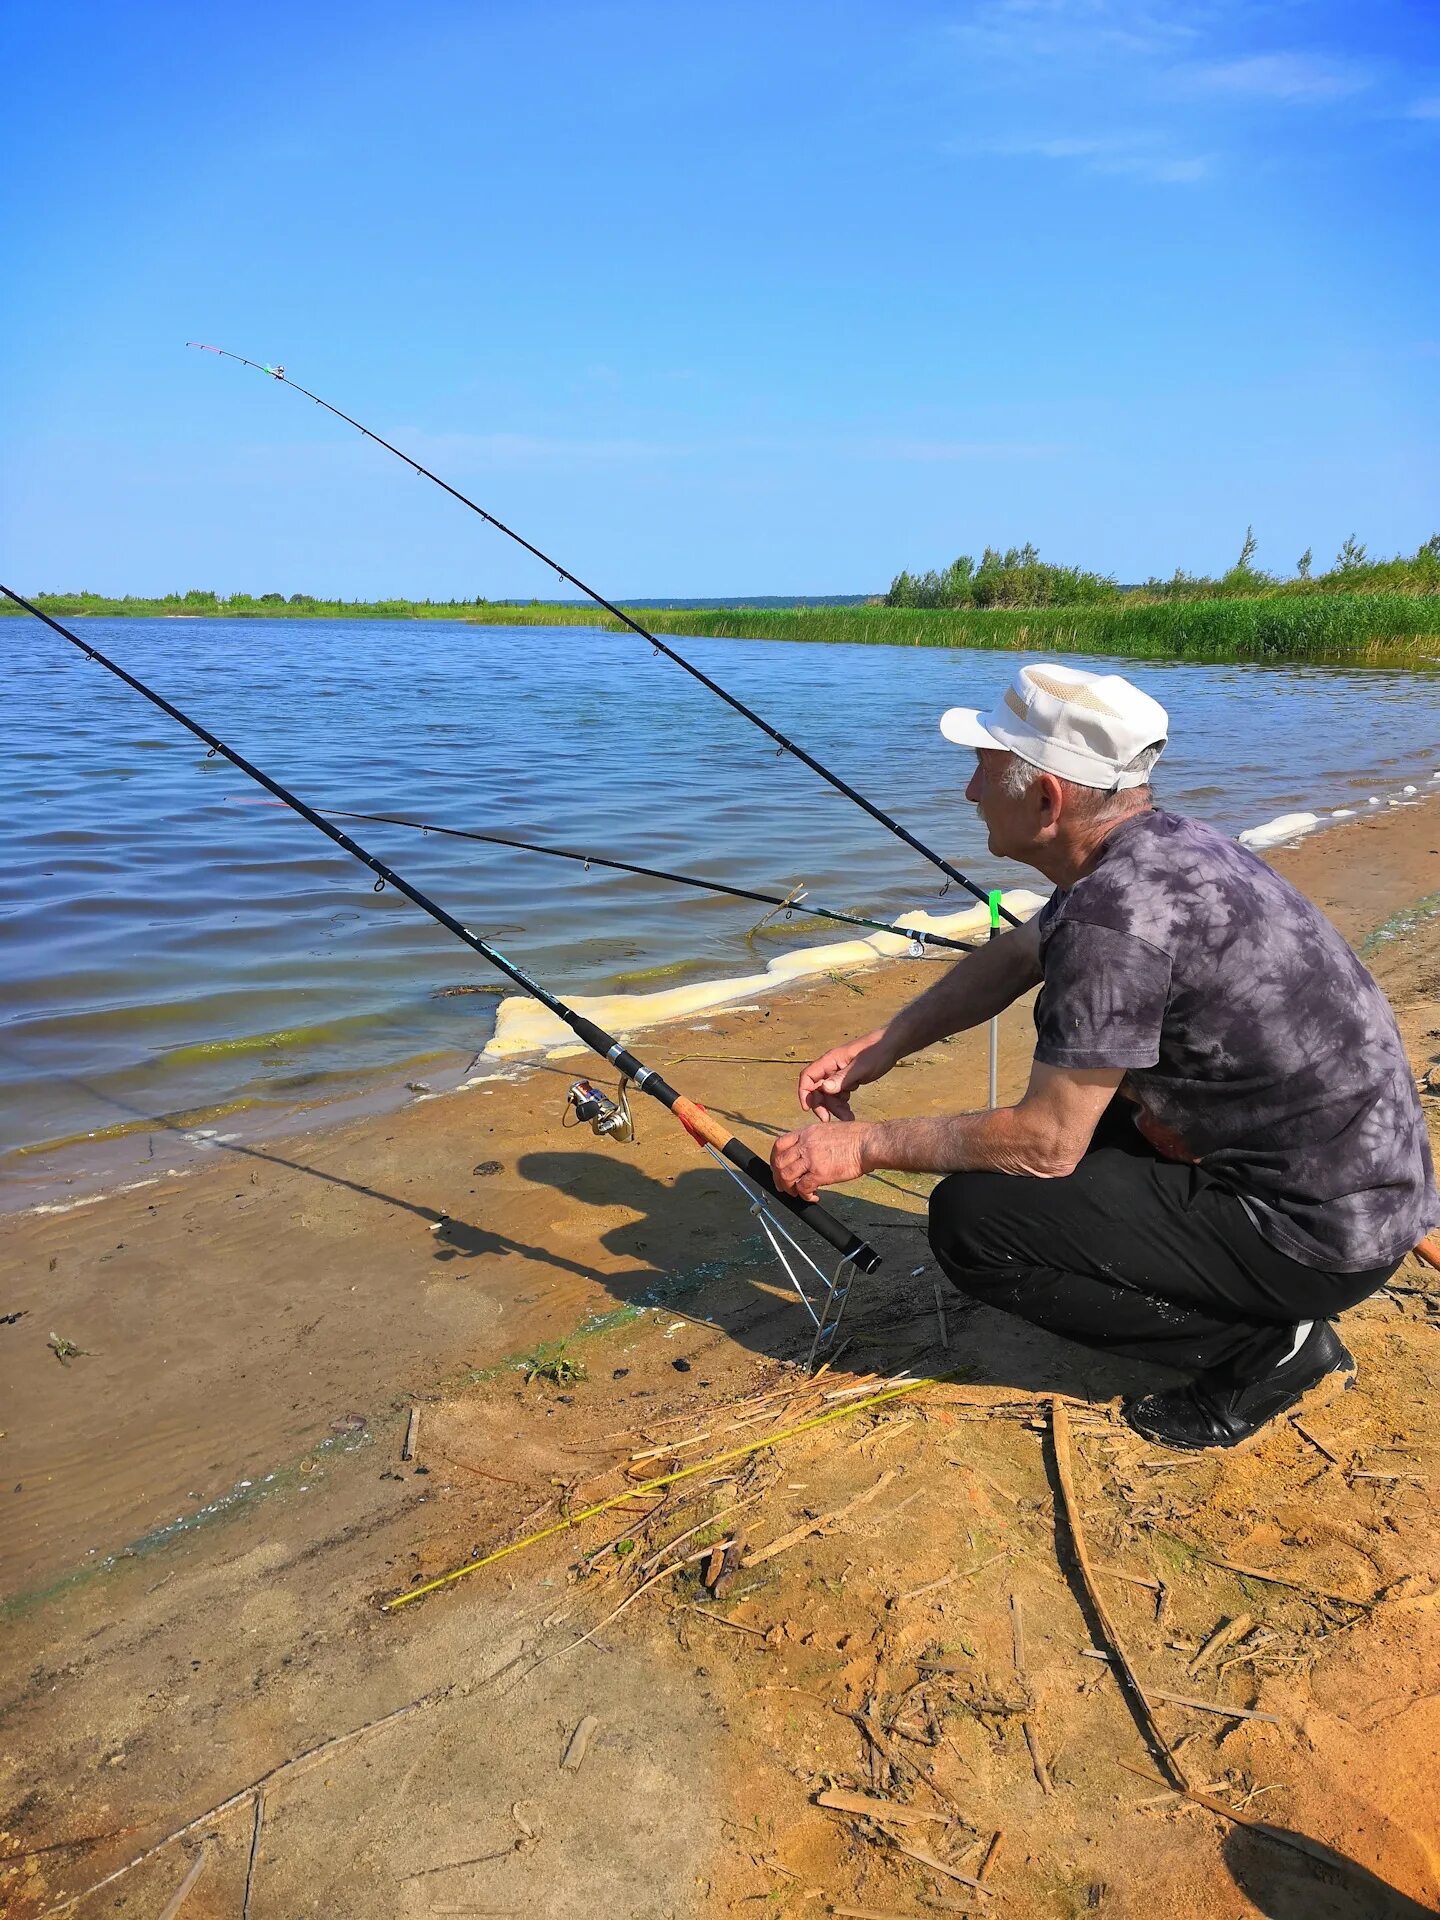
point(1052, 799)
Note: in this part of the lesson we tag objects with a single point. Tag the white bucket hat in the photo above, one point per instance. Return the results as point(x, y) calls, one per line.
point(1080, 726)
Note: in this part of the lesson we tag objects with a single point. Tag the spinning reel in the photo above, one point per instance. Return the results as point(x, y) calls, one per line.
point(610, 1119)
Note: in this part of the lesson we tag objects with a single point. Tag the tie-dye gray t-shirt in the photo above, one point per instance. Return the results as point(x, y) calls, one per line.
point(1254, 1041)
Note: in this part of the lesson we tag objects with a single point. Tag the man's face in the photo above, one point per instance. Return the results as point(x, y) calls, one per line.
point(1011, 821)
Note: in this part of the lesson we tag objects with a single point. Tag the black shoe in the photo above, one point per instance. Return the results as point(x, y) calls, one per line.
point(1214, 1412)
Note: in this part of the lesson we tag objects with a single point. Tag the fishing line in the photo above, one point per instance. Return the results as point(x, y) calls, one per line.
point(699, 1124)
point(786, 746)
point(794, 901)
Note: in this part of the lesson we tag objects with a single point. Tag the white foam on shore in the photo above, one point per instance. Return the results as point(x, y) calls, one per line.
point(1274, 833)
point(1286, 828)
point(89, 1199)
point(523, 1026)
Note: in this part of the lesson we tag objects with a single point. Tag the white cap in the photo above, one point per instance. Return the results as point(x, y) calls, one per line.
point(1080, 726)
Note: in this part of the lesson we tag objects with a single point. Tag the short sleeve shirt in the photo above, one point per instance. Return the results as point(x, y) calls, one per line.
point(1254, 1042)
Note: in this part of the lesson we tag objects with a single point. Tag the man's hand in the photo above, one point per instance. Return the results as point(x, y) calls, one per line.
point(827, 1083)
point(816, 1157)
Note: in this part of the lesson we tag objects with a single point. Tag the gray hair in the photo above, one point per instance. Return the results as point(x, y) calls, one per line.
point(1018, 776)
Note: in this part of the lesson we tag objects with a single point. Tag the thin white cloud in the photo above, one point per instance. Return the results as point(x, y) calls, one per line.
point(1067, 29)
point(1138, 156)
point(924, 451)
point(1168, 173)
point(1299, 77)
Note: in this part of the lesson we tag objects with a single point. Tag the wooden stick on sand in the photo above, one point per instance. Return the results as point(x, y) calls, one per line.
point(177, 1900)
point(821, 1524)
point(245, 1793)
point(1139, 1699)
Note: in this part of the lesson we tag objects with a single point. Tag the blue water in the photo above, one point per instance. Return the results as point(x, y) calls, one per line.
point(168, 946)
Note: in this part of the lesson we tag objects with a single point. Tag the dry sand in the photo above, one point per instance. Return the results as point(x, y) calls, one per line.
point(271, 1319)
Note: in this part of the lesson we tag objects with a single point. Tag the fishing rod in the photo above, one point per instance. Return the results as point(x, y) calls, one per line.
point(697, 1122)
point(786, 746)
point(789, 901)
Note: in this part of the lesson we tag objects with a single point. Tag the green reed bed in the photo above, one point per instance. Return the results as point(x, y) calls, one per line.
point(1369, 629)
point(1326, 628)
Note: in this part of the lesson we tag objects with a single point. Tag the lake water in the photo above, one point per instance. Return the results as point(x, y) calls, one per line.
point(168, 948)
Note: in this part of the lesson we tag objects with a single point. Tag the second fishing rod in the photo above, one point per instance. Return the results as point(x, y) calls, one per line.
point(796, 901)
point(879, 814)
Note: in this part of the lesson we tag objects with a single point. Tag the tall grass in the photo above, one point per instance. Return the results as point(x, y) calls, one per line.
point(1327, 628)
point(1398, 629)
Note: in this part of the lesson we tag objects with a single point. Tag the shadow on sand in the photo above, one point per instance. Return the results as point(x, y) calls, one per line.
point(694, 1235)
point(691, 1242)
point(1287, 1885)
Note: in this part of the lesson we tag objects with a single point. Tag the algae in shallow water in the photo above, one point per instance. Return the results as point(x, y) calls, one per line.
point(185, 1122)
point(279, 1042)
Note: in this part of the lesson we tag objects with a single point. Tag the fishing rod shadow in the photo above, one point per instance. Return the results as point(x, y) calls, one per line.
point(454, 1239)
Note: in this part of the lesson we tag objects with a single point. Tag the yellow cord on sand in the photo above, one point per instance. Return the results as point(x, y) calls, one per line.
point(665, 1480)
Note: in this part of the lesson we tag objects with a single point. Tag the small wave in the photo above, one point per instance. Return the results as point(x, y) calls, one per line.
point(192, 1120)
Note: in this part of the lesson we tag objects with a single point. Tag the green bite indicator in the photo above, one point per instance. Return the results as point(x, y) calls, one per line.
point(995, 897)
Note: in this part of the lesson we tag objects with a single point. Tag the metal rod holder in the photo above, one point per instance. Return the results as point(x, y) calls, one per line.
point(822, 1295)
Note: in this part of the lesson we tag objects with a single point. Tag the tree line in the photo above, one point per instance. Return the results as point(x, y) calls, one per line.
point(1018, 577)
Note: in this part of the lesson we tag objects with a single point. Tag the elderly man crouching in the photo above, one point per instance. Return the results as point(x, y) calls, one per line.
point(1221, 1146)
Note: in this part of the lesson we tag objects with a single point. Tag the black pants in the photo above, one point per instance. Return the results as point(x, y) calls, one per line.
point(1136, 1255)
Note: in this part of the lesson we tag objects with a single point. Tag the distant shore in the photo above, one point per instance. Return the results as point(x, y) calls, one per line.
point(1319, 629)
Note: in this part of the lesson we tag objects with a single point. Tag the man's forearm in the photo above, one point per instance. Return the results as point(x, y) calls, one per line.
point(971, 992)
point(1007, 1140)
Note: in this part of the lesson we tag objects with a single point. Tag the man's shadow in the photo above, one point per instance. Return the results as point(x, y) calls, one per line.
point(693, 1242)
point(1287, 1885)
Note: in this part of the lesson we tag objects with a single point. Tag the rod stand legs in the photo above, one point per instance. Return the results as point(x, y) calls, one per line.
point(822, 1295)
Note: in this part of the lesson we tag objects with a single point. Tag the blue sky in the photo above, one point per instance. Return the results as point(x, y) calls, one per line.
point(715, 298)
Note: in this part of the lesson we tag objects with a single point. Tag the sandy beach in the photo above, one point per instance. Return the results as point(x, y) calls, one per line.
point(206, 1504)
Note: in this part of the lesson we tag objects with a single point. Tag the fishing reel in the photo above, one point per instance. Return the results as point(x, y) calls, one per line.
point(610, 1119)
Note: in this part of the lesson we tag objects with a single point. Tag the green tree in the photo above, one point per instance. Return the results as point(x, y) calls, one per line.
point(1247, 551)
point(1303, 564)
point(1351, 555)
point(955, 582)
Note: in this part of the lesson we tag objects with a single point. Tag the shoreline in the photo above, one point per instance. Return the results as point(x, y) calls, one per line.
point(47, 1177)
